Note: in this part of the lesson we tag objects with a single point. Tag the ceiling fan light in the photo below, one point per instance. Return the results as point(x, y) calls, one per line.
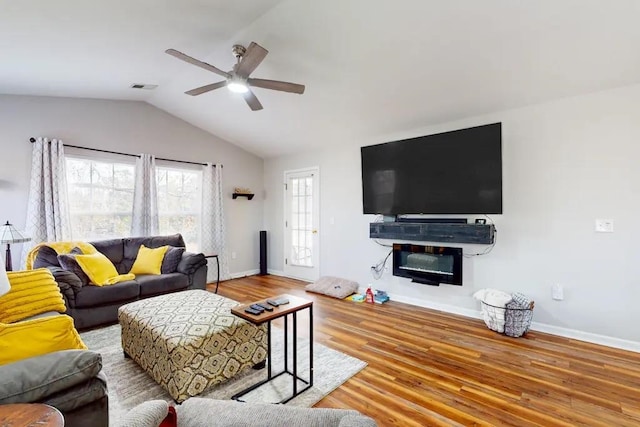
point(237, 87)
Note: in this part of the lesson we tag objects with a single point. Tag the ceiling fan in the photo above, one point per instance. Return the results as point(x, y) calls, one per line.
point(238, 80)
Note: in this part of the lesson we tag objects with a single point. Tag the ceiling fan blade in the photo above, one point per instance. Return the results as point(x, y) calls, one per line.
point(196, 62)
point(206, 88)
point(253, 102)
point(254, 55)
point(277, 85)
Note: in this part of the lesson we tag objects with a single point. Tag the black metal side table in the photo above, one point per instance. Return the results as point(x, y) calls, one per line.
point(292, 308)
point(217, 269)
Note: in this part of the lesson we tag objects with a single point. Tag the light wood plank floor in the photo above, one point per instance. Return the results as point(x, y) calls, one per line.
point(429, 368)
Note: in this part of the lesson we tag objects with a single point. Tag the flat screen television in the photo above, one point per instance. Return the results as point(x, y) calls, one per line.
point(458, 172)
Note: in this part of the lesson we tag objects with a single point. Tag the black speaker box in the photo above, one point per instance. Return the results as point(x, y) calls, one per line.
point(263, 253)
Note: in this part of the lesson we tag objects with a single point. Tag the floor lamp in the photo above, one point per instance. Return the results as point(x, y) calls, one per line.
point(9, 235)
point(5, 286)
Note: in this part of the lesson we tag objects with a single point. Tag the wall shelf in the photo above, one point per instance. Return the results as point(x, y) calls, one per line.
point(434, 232)
point(247, 195)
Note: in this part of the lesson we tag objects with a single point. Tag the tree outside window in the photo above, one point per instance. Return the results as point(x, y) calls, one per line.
point(179, 201)
point(100, 198)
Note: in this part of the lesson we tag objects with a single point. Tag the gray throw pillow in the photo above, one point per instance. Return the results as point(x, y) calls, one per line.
point(36, 378)
point(171, 260)
point(46, 257)
point(68, 262)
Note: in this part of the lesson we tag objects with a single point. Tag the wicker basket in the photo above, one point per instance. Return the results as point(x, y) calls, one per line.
point(517, 320)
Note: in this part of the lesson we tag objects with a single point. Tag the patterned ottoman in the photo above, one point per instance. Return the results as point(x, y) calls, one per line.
point(189, 341)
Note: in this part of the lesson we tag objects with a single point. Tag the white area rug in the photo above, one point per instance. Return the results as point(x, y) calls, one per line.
point(129, 385)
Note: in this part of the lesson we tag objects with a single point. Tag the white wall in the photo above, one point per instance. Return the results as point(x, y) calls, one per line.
point(565, 163)
point(130, 127)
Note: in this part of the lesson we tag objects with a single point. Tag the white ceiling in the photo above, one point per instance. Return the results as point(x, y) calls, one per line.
point(371, 67)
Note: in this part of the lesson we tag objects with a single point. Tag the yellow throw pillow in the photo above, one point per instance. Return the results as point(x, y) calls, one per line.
point(36, 337)
point(149, 261)
point(32, 292)
point(100, 269)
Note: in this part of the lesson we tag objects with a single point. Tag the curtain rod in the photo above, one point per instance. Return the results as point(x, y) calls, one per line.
point(32, 140)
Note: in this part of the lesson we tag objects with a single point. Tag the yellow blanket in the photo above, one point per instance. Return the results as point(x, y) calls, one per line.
point(60, 248)
point(32, 292)
point(35, 337)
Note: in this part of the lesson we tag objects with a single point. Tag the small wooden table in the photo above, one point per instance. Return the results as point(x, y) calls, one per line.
point(292, 308)
point(30, 414)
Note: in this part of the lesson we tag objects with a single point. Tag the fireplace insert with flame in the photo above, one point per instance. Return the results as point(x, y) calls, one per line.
point(429, 265)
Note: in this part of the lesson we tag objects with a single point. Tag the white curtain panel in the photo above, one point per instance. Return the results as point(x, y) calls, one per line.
point(212, 228)
point(144, 221)
point(48, 217)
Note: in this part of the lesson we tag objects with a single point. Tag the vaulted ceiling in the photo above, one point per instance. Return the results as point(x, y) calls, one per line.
point(371, 67)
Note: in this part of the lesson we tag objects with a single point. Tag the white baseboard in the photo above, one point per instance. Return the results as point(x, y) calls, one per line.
point(467, 312)
point(244, 273)
point(283, 274)
point(587, 336)
point(257, 271)
point(535, 326)
point(276, 272)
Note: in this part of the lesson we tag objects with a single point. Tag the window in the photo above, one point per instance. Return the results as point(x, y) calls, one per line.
point(100, 198)
point(179, 198)
point(301, 221)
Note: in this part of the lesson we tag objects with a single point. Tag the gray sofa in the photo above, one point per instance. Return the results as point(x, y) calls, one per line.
point(199, 412)
point(91, 305)
point(70, 380)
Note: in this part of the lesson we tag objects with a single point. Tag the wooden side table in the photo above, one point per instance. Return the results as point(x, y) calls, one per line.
point(30, 414)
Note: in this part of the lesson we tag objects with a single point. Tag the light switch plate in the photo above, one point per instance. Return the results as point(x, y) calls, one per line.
point(604, 225)
point(557, 292)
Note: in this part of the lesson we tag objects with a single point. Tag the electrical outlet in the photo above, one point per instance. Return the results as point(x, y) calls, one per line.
point(557, 292)
point(233, 255)
point(604, 225)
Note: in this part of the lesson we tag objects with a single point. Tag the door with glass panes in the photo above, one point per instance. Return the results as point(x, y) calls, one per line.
point(301, 237)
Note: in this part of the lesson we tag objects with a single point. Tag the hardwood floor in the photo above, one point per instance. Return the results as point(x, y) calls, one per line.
point(429, 368)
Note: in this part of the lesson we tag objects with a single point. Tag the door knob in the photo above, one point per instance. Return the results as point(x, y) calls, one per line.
point(314, 231)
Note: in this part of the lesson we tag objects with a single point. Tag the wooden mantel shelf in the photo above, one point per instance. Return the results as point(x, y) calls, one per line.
point(434, 232)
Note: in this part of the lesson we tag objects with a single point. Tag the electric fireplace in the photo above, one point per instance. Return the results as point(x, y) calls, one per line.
point(429, 265)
